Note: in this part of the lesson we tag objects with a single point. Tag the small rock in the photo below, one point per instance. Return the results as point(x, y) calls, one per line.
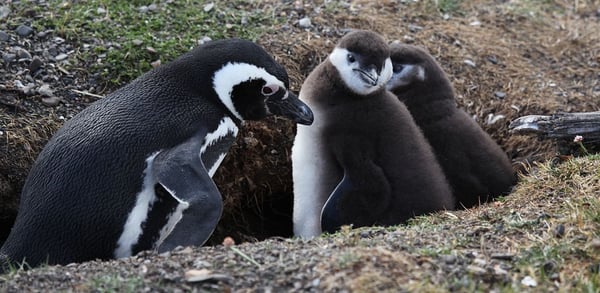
point(155, 63)
point(492, 59)
point(502, 256)
point(414, 28)
point(529, 282)
point(500, 95)
point(228, 241)
point(23, 54)
point(475, 23)
point(304, 22)
point(59, 40)
point(559, 231)
point(492, 119)
point(100, 10)
point(4, 36)
point(4, 12)
point(137, 42)
point(50, 101)
point(9, 57)
point(470, 63)
point(61, 57)
point(151, 50)
point(23, 30)
point(152, 7)
point(45, 90)
point(449, 259)
point(143, 9)
point(500, 271)
point(202, 275)
point(35, 64)
point(208, 7)
point(595, 244)
point(204, 40)
point(475, 270)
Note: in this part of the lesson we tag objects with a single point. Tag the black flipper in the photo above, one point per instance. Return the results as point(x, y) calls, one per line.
point(181, 172)
point(363, 194)
point(330, 214)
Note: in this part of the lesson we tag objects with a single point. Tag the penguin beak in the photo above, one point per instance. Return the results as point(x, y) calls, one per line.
point(291, 107)
point(370, 77)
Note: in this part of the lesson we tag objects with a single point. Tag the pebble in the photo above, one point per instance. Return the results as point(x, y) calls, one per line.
point(35, 64)
point(475, 270)
point(9, 57)
point(529, 281)
point(61, 57)
point(23, 54)
point(204, 40)
point(449, 259)
point(559, 231)
point(4, 12)
point(208, 7)
point(50, 101)
point(304, 22)
point(143, 9)
point(500, 95)
point(470, 63)
point(137, 42)
point(4, 36)
point(45, 90)
point(23, 30)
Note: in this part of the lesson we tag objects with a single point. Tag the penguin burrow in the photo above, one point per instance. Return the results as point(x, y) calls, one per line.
point(132, 171)
point(474, 164)
point(364, 161)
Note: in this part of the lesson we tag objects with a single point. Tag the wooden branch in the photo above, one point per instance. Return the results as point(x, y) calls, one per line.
point(564, 126)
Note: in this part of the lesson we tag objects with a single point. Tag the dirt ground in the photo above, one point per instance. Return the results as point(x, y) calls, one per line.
point(506, 59)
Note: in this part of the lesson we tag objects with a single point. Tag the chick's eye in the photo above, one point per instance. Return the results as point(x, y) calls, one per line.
point(397, 68)
point(351, 58)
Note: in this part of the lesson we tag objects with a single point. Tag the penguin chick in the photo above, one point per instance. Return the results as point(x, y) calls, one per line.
point(364, 160)
point(132, 171)
point(475, 166)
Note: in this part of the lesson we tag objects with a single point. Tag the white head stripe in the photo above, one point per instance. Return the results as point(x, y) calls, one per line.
point(232, 74)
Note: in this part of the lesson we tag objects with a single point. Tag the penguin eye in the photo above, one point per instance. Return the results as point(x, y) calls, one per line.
point(397, 68)
point(351, 58)
point(268, 90)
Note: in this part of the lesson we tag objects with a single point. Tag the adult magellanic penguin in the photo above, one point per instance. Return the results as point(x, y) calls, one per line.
point(133, 170)
point(364, 160)
point(474, 164)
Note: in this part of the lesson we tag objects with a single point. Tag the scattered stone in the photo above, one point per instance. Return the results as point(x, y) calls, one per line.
point(559, 231)
point(475, 270)
point(414, 28)
point(9, 57)
point(137, 42)
point(304, 22)
point(492, 59)
point(61, 57)
point(155, 63)
point(152, 7)
point(51, 101)
point(35, 64)
point(143, 9)
point(202, 275)
point(208, 7)
point(100, 10)
point(4, 36)
point(529, 282)
point(228, 241)
point(502, 256)
point(4, 12)
point(449, 259)
point(492, 119)
point(204, 40)
point(23, 30)
point(45, 90)
point(470, 63)
point(500, 95)
point(59, 40)
point(475, 23)
point(23, 54)
point(500, 271)
point(595, 244)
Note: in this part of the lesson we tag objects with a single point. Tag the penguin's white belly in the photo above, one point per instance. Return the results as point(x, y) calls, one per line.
point(314, 177)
